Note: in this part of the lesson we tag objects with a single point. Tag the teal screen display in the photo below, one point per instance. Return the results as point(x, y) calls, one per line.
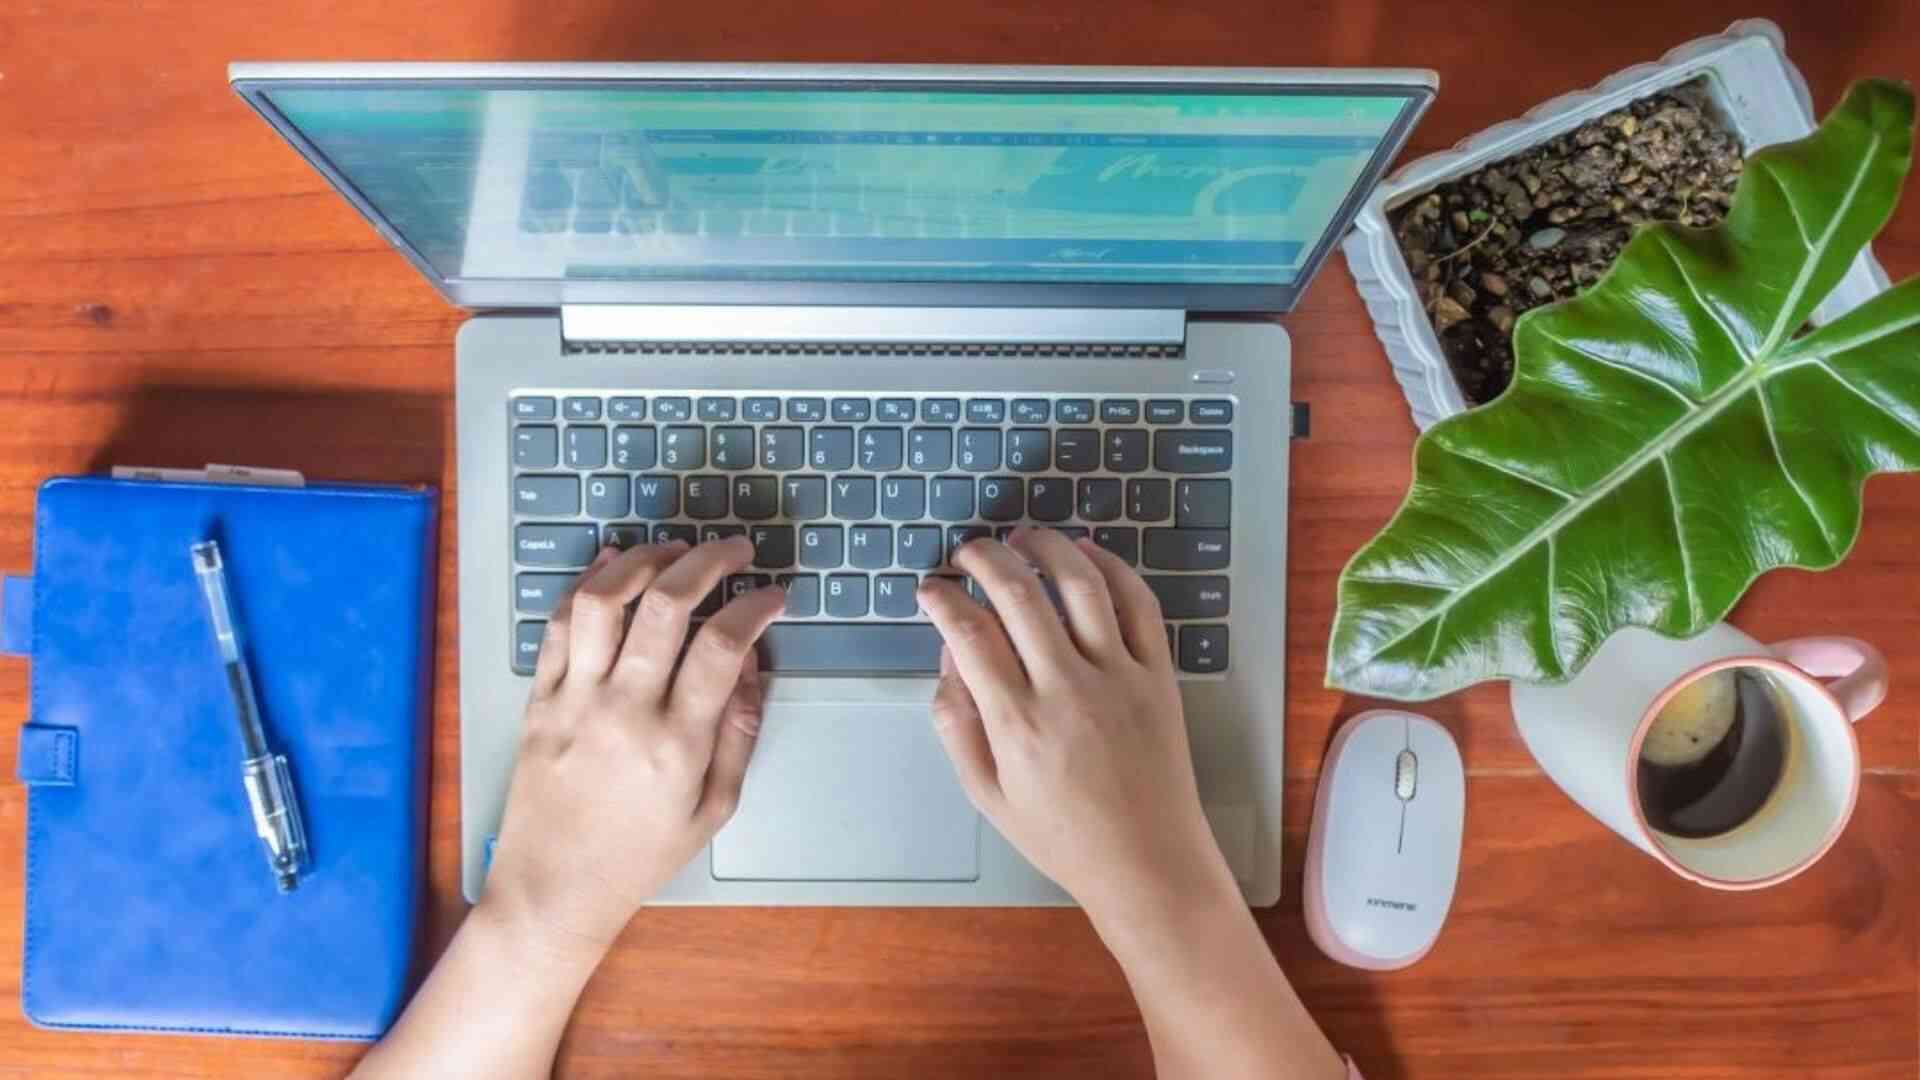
point(650, 183)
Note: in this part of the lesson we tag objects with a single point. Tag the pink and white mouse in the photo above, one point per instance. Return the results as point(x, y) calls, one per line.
point(1384, 849)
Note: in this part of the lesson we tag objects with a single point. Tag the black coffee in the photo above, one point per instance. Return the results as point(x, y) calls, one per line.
point(1714, 754)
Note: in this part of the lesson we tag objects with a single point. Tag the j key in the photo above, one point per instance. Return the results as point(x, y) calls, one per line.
point(717, 409)
point(920, 547)
point(803, 594)
point(804, 497)
point(1029, 449)
point(527, 637)
point(756, 498)
point(739, 585)
point(713, 534)
point(896, 410)
point(627, 408)
point(940, 410)
point(1203, 504)
point(706, 497)
point(782, 448)
point(586, 447)
point(772, 546)
point(1050, 498)
point(1166, 412)
point(536, 594)
point(1002, 498)
point(903, 498)
point(656, 496)
point(1076, 450)
point(1074, 411)
point(870, 547)
point(929, 449)
point(952, 498)
point(959, 536)
point(1099, 500)
point(979, 449)
point(732, 446)
point(761, 409)
point(1188, 549)
point(581, 408)
point(623, 536)
point(635, 448)
point(1126, 450)
point(1151, 500)
point(533, 408)
point(667, 534)
point(822, 547)
point(1123, 542)
point(1192, 451)
point(852, 410)
point(831, 448)
point(1190, 596)
point(880, 449)
point(1031, 410)
point(846, 596)
point(608, 496)
point(853, 497)
point(893, 596)
point(683, 448)
point(1117, 411)
point(1203, 649)
point(554, 496)
point(536, 447)
point(672, 408)
point(806, 409)
point(1213, 412)
point(986, 411)
point(555, 545)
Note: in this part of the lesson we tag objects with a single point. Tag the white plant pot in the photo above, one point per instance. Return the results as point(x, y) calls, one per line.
point(1752, 84)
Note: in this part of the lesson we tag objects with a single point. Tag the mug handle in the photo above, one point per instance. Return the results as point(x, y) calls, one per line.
point(1857, 670)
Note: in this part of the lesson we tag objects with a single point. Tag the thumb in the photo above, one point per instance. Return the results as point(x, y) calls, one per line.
point(733, 745)
point(956, 719)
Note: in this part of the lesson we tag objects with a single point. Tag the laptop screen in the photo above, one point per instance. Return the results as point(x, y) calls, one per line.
point(612, 182)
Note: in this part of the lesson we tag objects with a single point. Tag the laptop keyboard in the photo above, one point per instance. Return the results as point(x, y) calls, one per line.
point(850, 500)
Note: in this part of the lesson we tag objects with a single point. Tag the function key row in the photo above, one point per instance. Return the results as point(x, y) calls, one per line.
point(859, 410)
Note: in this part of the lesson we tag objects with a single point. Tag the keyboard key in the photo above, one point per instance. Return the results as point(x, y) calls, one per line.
point(586, 447)
point(635, 448)
point(1151, 500)
point(536, 594)
point(980, 449)
point(1192, 451)
point(536, 447)
point(706, 497)
point(870, 547)
point(831, 448)
point(1126, 450)
point(1119, 411)
point(894, 596)
point(940, 411)
point(756, 498)
point(533, 408)
point(672, 408)
point(1173, 642)
point(627, 408)
point(852, 410)
point(1203, 504)
point(896, 410)
point(929, 449)
point(656, 496)
point(1032, 410)
point(851, 648)
point(581, 408)
point(1166, 411)
point(846, 596)
point(1072, 532)
point(804, 497)
point(1002, 498)
point(667, 534)
point(1029, 449)
point(761, 408)
point(822, 547)
point(1203, 649)
point(1188, 549)
point(739, 585)
point(803, 594)
point(717, 409)
point(806, 409)
point(555, 545)
point(683, 448)
point(623, 536)
point(1050, 498)
point(1213, 412)
point(1099, 499)
point(608, 496)
point(920, 547)
point(1191, 596)
point(549, 496)
point(528, 635)
point(1074, 410)
point(1076, 450)
point(880, 448)
point(951, 498)
point(782, 448)
point(713, 534)
point(853, 497)
point(959, 536)
point(772, 546)
point(903, 498)
point(1122, 541)
point(986, 411)
point(732, 447)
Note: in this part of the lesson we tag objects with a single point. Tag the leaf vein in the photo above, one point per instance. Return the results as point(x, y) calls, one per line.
point(1551, 489)
point(1733, 340)
point(1864, 396)
point(1807, 268)
point(1779, 457)
point(1680, 540)
point(1793, 208)
point(1648, 377)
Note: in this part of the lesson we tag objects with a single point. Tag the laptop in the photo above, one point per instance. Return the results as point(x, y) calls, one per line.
point(861, 315)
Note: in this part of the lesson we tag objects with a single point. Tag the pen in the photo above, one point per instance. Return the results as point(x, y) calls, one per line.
point(269, 784)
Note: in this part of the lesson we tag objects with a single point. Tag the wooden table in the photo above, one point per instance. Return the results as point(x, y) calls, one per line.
point(176, 286)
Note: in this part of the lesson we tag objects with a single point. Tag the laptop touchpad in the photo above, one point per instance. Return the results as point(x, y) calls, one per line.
point(854, 792)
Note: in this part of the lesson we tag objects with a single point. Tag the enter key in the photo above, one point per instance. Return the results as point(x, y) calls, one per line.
point(1187, 549)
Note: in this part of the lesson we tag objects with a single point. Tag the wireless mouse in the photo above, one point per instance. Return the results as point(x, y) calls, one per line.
point(1384, 848)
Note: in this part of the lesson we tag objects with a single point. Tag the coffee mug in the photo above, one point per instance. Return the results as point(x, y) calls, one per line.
point(1588, 734)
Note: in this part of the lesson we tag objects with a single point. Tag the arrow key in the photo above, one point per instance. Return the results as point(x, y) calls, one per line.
point(1203, 649)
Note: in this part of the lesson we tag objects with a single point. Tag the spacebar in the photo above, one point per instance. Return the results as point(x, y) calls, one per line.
point(851, 649)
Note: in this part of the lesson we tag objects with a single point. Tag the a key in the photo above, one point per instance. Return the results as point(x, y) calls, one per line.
point(1203, 504)
point(853, 497)
point(536, 447)
point(1193, 451)
point(1002, 498)
point(656, 496)
point(1076, 450)
point(1119, 411)
point(894, 596)
point(852, 410)
point(732, 447)
point(903, 498)
point(581, 408)
point(533, 408)
point(782, 448)
point(717, 409)
point(1122, 541)
point(1166, 411)
point(952, 498)
point(929, 449)
point(979, 449)
point(667, 534)
point(870, 547)
point(527, 637)
point(831, 448)
point(623, 536)
point(608, 496)
point(635, 448)
point(806, 409)
point(1073, 410)
point(772, 546)
point(1203, 649)
point(959, 536)
point(706, 497)
point(713, 534)
point(586, 447)
point(1188, 549)
point(627, 408)
point(1191, 596)
point(804, 498)
point(822, 547)
point(1029, 449)
point(683, 448)
point(803, 594)
point(756, 498)
point(986, 411)
point(555, 545)
point(761, 409)
point(940, 410)
point(920, 546)
point(896, 410)
point(536, 594)
point(1126, 450)
point(1213, 412)
point(1032, 410)
point(554, 496)
point(739, 585)
point(1099, 499)
point(1149, 500)
point(672, 408)
point(846, 596)
point(880, 448)
point(1050, 498)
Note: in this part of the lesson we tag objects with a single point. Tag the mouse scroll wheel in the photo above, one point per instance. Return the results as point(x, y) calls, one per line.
point(1406, 775)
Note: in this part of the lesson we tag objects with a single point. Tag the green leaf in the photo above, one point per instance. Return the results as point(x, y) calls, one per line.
point(1669, 435)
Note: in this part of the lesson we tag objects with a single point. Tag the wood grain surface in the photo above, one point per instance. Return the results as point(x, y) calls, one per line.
point(177, 287)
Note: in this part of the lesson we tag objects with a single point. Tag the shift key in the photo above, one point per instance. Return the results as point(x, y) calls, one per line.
point(1205, 451)
point(1190, 596)
point(555, 545)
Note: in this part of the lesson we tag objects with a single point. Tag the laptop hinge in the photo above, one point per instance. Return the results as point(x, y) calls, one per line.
point(656, 325)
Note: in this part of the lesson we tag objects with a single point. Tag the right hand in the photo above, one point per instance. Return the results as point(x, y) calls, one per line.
point(1068, 734)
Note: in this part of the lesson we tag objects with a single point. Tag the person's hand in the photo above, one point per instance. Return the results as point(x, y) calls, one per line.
point(1067, 732)
point(633, 754)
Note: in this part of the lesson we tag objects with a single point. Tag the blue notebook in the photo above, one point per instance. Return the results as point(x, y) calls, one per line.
point(149, 903)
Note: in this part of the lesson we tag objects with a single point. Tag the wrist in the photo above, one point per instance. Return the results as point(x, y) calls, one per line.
point(532, 939)
point(1139, 916)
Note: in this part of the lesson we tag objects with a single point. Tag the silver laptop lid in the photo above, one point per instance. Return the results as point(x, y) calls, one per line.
point(537, 185)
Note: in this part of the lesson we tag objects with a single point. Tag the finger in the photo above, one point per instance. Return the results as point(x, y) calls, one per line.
point(981, 652)
point(1137, 608)
point(599, 604)
point(739, 731)
point(660, 623)
point(1024, 609)
point(1082, 588)
point(719, 652)
point(956, 719)
point(551, 666)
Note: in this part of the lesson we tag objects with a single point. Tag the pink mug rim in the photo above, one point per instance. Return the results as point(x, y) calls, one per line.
point(1646, 723)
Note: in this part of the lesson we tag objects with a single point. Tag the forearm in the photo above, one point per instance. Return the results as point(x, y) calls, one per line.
point(494, 1007)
